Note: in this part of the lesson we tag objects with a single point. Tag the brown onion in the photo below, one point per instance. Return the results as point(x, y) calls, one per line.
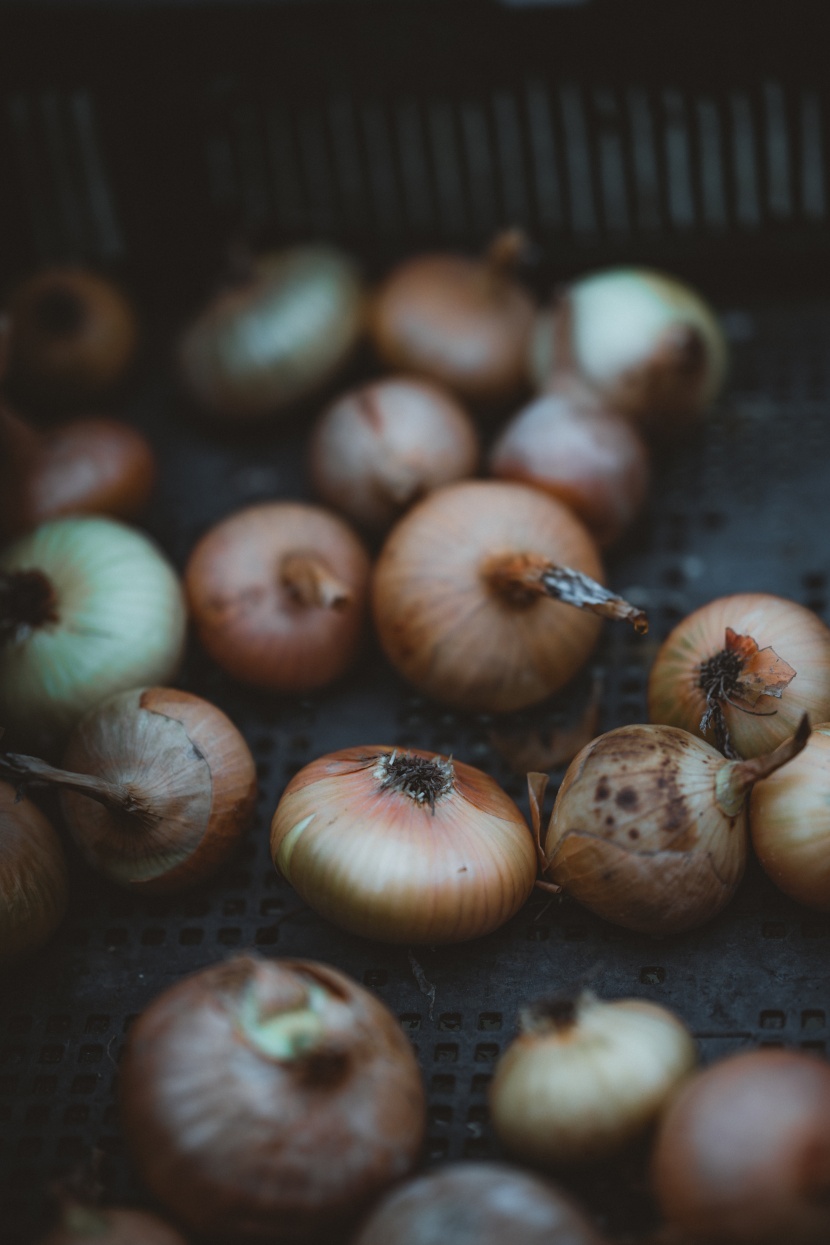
point(272, 1101)
point(377, 449)
point(464, 322)
point(477, 1204)
point(275, 336)
point(278, 595)
point(742, 1155)
point(73, 336)
point(469, 595)
point(34, 883)
point(81, 1224)
point(157, 789)
point(403, 846)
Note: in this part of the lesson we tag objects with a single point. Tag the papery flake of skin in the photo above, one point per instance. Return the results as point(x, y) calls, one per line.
point(763, 672)
point(739, 675)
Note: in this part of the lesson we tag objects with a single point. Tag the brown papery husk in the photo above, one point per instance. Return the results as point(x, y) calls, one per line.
point(186, 764)
point(34, 880)
point(477, 1203)
point(110, 1225)
point(378, 863)
point(258, 1148)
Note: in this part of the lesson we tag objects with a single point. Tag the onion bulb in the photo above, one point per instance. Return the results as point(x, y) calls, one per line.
point(274, 337)
point(742, 1155)
point(403, 846)
point(463, 322)
point(34, 883)
point(649, 826)
point(789, 820)
point(585, 1077)
point(477, 1204)
point(88, 607)
point(474, 590)
point(157, 787)
point(379, 448)
point(648, 344)
point(270, 1101)
point(73, 337)
point(743, 669)
point(278, 595)
point(81, 1224)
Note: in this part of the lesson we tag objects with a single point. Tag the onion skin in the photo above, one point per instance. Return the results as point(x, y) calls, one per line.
point(378, 449)
point(278, 1149)
point(184, 760)
point(73, 337)
point(276, 337)
point(586, 456)
point(378, 863)
point(111, 1225)
point(250, 620)
point(795, 633)
point(742, 1155)
point(477, 1204)
point(34, 882)
point(789, 821)
point(451, 637)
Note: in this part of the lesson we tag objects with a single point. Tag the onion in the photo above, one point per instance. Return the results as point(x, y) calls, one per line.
point(34, 884)
point(88, 607)
point(465, 323)
point(743, 1152)
point(111, 1225)
point(379, 448)
point(649, 345)
point(278, 595)
point(403, 846)
point(270, 1101)
point(586, 1077)
point(73, 336)
point(462, 596)
point(157, 789)
point(276, 336)
point(477, 1204)
point(744, 669)
point(649, 826)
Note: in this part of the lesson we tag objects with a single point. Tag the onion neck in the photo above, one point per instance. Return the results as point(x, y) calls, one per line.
point(737, 778)
point(293, 1032)
point(552, 1015)
point(27, 601)
point(521, 579)
point(422, 779)
point(311, 584)
point(125, 801)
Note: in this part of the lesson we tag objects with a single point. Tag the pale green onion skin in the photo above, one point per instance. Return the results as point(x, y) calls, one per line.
point(121, 623)
point(34, 885)
point(380, 864)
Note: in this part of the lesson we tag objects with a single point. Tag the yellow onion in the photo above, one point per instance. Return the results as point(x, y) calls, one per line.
point(648, 344)
point(743, 669)
point(403, 846)
point(34, 883)
point(585, 1077)
point(474, 593)
point(789, 820)
point(88, 607)
point(157, 789)
point(274, 337)
point(649, 828)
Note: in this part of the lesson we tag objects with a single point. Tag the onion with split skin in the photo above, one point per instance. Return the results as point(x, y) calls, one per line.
point(34, 880)
point(270, 1102)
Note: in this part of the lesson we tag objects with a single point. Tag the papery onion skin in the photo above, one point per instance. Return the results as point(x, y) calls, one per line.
point(742, 1155)
point(247, 618)
point(276, 337)
point(446, 633)
point(789, 821)
point(73, 336)
point(379, 448)
point(575, 1092)
point(587, 457)
point(34, 880)
point(637, 835)
point(477, 1203)
point(379, 863)
point(111, 1225)
point(795, 633)
point(184, 761)
point(120, 622)
point(263, 1147)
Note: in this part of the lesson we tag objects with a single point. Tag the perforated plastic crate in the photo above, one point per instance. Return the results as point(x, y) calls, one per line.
point(140, 137)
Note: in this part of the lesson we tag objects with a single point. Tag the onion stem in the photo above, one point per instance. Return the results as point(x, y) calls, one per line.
point(122, 800)
point(27, 600)
point(520, 579)
point(737, 778)
point(312, 584)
